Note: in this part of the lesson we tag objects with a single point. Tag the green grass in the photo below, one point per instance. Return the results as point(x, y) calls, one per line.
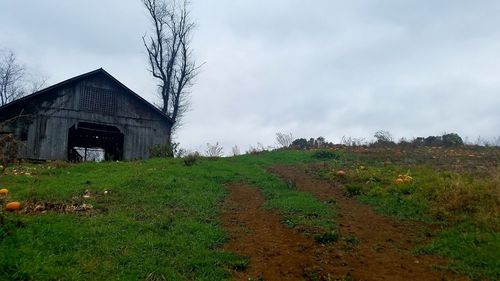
point(160, 218)
point(472, 251)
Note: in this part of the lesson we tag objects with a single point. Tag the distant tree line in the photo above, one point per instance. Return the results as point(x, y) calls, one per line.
point(384, 139)
point(312, 143)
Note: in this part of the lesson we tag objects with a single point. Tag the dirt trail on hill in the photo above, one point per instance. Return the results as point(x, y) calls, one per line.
point(280, 253)
point(384, 248)
point(275, 251)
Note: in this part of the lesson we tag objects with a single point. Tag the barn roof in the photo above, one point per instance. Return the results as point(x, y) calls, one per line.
point(83, 76)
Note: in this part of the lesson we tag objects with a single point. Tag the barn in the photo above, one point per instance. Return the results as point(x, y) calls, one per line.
point(93, 111)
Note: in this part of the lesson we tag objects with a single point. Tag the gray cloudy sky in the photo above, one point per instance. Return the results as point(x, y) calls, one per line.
point(322, 67)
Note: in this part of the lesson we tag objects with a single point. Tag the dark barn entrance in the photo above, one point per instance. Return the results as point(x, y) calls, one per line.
point(84, 138)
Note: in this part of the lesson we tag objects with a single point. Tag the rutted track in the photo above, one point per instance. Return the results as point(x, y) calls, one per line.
point(384, 249)
point(277, 252)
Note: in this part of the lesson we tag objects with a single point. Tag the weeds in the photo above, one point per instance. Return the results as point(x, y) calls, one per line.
point(9, 147)
point(325, 155)
point(214, 150)
point(163, 150)
point(353, 189)
point(190, 159)
point(351, 241)
point(327, 237)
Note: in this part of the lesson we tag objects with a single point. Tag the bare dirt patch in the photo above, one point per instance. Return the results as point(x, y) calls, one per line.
point(43, 207)
point(75, 205)
point(383, 251)
point(275, 251)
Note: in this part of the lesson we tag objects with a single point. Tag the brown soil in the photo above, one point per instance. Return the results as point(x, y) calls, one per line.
point(275, 251)
point(280, 253)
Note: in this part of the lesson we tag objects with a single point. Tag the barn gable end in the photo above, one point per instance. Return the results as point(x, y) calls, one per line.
point(92, 110)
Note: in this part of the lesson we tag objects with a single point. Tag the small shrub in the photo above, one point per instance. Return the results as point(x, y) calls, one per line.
point(327, 237)
point(256, 149)
point(353, 189)
point(291, 184)
point(190, 159)
point(289, 223)
point(163, 150)
point(351, 240)
point(284, 140)
point(240, 264)
point(325, 155)
point(236, 150)
point(214, 150)
point(8, 150)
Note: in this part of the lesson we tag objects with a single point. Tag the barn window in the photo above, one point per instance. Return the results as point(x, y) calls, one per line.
point(98, 99)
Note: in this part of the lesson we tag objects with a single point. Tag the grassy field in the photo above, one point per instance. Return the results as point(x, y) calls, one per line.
point(454, 191)
point(159, 218)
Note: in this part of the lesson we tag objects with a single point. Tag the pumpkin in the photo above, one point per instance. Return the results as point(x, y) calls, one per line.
point(12, 206)
point(4, 191)
point(340, 173)
point(399, 181)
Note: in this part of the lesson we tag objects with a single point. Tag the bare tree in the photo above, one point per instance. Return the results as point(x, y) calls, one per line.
point(11, 78)
point(15, 80)
point(170, 55)
point(36, 82)
point(236, 150)
point(383, 136)
point(214, 150)
point(284, 140)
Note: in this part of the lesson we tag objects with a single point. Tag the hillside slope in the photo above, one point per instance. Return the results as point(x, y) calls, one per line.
point(161, 220)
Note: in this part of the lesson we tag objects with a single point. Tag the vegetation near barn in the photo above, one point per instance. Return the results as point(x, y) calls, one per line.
point(160, 218)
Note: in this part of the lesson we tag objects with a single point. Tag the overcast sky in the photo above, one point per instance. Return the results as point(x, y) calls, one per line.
point(313, 68)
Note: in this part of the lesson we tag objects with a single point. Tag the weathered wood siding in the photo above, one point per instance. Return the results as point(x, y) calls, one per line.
point(51, 116)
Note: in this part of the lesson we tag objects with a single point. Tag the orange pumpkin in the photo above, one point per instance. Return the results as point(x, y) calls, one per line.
point(13, 206)
point(340, 173)
point(4, 191)
point(399, 181)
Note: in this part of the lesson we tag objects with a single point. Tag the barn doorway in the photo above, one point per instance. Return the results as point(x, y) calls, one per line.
point(94, 142)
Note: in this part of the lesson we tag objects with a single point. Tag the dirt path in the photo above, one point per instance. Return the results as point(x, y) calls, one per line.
point(280, 253)
point(383, 251)
point(275, 252)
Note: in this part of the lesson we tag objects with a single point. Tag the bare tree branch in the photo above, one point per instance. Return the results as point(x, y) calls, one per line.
point(11, 75)
point(15, 80)
point(169, 54)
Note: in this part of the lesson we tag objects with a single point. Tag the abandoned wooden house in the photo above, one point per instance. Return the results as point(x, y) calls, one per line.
point(92, 111)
